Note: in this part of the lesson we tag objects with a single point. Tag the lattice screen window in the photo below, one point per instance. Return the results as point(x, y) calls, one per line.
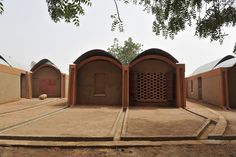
point(151, 87)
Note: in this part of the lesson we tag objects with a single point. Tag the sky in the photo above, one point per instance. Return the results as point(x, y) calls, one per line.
point(27, 34)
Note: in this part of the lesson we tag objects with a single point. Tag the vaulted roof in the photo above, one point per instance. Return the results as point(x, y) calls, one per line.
point(95, 52)
point(227, 64)
point(155, 51)
point(43, 62)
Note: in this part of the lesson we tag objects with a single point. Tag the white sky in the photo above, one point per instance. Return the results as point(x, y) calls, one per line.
point(28, 34)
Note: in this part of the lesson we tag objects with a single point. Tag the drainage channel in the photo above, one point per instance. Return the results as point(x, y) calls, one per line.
point(118, 127)
point(30, 107)
point(206, 129)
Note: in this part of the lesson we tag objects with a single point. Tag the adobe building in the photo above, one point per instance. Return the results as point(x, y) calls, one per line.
point(153, 77)
point(48, 79)
point(156, 78)
point(214, 83)
point(95, 78)
point(14, 81)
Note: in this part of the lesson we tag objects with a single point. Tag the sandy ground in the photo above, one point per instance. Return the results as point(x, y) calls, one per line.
point(99, 121)
point(229, 115)
point(81, 121)
point(21, 104)
point(231, 121)
point(161, 121)
point(13, 118)
point(160, 151)
point(202, 109)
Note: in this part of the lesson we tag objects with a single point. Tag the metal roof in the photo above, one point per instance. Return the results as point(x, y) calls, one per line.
point(155, 51)
point(3, 61)
point(211, 65)
point(226, 64)
point(95, 52)
point(11, 62)
point(43, 62)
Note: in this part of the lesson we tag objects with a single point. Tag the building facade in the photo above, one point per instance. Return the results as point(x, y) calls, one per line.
point(154, 77)
point(14, 81)
point(46, 78)
point(214, 83)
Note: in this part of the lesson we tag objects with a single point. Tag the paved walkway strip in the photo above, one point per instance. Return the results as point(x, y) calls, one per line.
point(117, 127)
point(201, 130)
point(54, 138)
point(125, 123)
point(220, 124)
point(109, 144)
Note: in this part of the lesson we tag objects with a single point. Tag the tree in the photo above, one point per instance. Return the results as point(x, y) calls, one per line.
point(1, 7)
point(234, 50)
point(125, 54)
point(171, 16)
point(67, 10)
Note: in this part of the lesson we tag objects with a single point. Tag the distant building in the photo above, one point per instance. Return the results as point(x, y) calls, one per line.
point(48, 79)
point(214, 82)
point(14, 80)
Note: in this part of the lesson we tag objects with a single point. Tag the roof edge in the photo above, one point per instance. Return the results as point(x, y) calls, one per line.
point(156, 51)
point(95, 52)
point(43, 62)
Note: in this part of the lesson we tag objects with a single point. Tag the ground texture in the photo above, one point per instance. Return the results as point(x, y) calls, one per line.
point(22, 121)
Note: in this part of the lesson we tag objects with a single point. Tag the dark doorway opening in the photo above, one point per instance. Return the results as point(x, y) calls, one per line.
point(199, 79)
point(23, 85)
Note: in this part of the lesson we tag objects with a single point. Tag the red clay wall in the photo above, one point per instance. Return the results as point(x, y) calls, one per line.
point(211, 90)
point(194, 92)
point(46, 80)
point(213, 87)
point(86, 83)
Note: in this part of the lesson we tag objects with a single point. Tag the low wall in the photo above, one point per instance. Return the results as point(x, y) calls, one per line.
point(10, 86)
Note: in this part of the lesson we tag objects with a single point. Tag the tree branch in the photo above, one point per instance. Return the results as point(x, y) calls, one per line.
point(117, 10)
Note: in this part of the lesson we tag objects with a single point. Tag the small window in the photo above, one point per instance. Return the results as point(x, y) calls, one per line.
point(191, 85)
point(99, 84)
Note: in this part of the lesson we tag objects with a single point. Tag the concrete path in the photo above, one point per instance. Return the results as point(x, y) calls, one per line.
point(230, 116)
point(225, 119)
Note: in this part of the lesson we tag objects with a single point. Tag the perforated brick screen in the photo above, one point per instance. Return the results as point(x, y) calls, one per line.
point(150, 87)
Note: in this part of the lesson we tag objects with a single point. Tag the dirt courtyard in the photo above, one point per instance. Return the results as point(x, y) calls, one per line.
point(96, 121)
point(27, 127)
point(153, 121)
point(203, 150)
